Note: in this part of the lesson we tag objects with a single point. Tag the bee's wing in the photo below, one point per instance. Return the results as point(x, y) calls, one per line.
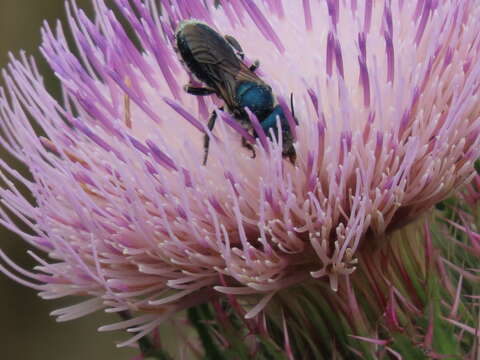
point(213, 55)
point(245, 74)
point(216, 63)
point(229, 80)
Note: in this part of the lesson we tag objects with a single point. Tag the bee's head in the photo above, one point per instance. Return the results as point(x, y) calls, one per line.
point(258, 98)
point(270, 127)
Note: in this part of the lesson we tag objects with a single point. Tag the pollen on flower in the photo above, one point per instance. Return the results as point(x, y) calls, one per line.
point(387, 102)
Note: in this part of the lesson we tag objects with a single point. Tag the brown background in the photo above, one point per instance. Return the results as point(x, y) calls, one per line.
point(27, 332)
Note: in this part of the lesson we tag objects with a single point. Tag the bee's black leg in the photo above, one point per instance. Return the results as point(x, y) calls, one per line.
point(292, 157)
point(254, 66)
point(249, 146)
point(206, 138)
point(238, 48)
point(236, 45)
point(199, 91)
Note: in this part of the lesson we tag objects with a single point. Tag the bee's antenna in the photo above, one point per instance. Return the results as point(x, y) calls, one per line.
point(292, 108)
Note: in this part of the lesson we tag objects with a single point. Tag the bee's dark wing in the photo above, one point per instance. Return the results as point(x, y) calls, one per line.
point(245, 74)
point(211, 59)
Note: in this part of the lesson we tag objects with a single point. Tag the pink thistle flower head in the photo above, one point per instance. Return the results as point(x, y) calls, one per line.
point(386, 96)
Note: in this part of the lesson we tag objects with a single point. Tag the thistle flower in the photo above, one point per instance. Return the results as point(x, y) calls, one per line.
point(386, 94)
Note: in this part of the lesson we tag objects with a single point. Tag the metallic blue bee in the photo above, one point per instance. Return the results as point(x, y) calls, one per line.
point(218, 63)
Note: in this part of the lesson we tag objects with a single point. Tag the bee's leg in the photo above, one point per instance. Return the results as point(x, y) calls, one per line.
point(254, 66)
point(236, 45)
point(206, 138)
point(249, 146)
point(199, 91)
point(292, 156)
point(238, 48)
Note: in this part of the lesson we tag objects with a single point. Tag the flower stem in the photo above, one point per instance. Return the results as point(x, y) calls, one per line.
point(195, 317)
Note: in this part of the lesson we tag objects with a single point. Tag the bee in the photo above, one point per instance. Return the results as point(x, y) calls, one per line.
point(217, 62)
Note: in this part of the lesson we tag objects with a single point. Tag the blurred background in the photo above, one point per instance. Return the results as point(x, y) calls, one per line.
point(27, 331)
